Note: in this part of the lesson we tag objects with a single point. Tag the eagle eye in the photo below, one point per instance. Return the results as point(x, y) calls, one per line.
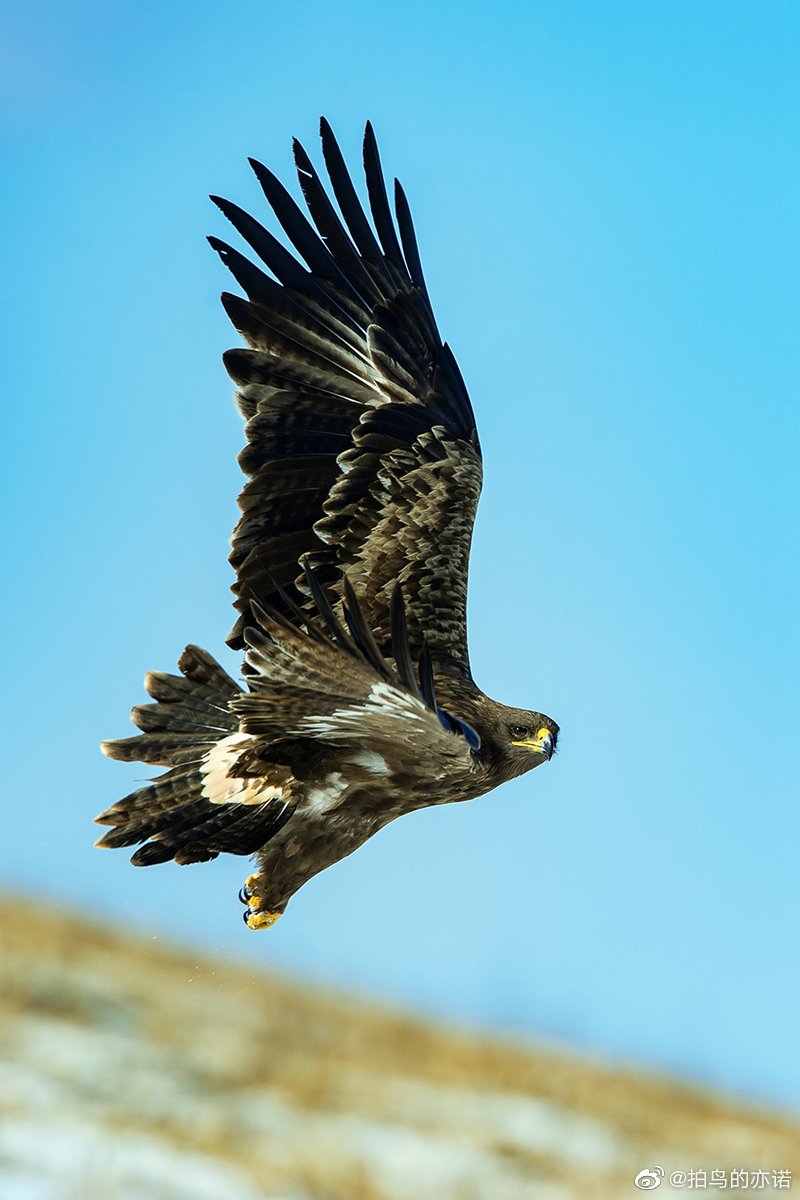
point(520, 731)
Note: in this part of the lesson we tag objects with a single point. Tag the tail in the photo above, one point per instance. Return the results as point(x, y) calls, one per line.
point(171, 815)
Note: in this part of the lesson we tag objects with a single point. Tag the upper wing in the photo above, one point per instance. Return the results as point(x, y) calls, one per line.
point(362, 451)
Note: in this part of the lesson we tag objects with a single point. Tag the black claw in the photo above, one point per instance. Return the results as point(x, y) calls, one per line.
point(245, 895)
point(245, 916)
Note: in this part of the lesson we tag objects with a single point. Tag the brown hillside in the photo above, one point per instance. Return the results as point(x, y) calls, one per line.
point(131, 1072)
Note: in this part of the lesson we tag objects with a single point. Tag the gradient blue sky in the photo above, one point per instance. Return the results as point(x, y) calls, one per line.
point(606, 199)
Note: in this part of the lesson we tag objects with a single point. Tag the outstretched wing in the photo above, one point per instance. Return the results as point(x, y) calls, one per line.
point(362, 451)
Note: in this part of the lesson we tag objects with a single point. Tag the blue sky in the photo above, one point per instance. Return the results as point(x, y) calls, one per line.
point(606, 200)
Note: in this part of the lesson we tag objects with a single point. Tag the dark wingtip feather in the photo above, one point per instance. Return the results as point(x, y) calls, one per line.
point(408, 237)
point(349, 204)
point(273, 253)
point(302, 161)
point(301, 233)
point(220, 202)
point(379, 203)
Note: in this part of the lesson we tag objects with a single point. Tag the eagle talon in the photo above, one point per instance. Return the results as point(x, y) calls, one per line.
point(247, 893)
point(260, 920)
point(253, 916)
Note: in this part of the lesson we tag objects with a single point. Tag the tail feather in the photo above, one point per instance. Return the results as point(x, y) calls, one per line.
point(192, 711)
point(211, 689)
point(204, 672)
point(188, 717)
point(151, 807)
point(172, 815)
point(160, 751)
point(239, 832)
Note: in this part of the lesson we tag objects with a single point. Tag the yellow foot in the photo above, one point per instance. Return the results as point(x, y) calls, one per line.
point(260, 920)
point(253, 918)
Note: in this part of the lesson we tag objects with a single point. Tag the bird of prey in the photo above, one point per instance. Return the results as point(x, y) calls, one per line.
point(358, 704)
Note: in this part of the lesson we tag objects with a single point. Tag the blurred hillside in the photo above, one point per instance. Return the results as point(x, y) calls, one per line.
point(133, 1072)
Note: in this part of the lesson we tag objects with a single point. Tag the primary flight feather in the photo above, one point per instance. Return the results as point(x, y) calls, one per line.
point(351, 560)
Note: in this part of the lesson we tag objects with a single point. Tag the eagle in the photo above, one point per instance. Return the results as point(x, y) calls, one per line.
point(357, 703)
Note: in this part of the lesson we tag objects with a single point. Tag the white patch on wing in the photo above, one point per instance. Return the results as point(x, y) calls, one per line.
point(221, 788)
point(383, 700)
point(394, 703)
point(326, 796)
point(371, 761)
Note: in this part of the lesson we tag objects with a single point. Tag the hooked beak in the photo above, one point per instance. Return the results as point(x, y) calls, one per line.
point(543, 743)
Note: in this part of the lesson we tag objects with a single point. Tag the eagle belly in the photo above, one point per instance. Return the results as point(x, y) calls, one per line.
point(336, 812)
point(306, 846)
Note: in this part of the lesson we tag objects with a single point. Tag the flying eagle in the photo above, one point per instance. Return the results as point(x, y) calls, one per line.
point(351, 559)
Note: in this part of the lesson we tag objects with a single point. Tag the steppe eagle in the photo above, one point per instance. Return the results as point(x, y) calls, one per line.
point(351, 556)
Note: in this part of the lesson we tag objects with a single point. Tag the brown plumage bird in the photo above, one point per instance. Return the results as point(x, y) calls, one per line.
point(351, 561)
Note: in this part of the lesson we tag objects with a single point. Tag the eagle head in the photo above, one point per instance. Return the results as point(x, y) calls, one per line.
point(515, 740)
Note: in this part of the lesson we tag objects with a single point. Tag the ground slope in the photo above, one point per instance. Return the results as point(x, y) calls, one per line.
point(133, 1072)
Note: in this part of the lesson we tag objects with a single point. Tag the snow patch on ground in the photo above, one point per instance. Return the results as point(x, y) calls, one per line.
point(56, 1157)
